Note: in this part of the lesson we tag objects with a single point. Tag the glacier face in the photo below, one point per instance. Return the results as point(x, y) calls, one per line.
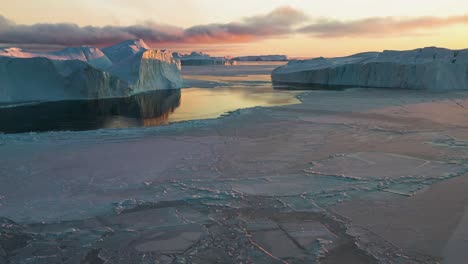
point(86, 72)
point(427, 68)
point(200, 59)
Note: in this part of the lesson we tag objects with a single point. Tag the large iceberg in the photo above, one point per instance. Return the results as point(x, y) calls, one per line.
point(262, 58)
point(200, 59)
point(86, 72)
point(426, 68)
point(91, 55)
point(124, 50)
point(32, 79)
point(145, 69)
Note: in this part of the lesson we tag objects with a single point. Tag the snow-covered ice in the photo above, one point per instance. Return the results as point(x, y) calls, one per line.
point(343, 177)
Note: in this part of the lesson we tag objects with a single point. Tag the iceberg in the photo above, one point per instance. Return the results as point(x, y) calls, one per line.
point(86, 73)
point(33, 79)
point(199, 59)
point(429, 68)
point(262, 58)
point(125, 49)
point(91, 55)
point(144, 68)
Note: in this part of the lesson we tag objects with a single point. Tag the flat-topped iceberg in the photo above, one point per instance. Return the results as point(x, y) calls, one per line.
point(199, 59)
point(427, 68)
point(86, 72)
point(262, 58)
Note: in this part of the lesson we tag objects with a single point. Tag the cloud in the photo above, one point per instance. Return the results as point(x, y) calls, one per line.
point(279, 22)
point(72, 34)
point(380, 26)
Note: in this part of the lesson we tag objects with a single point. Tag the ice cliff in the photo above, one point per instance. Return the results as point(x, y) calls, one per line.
point(427, 68)
point(86, 72)
point(199, 58)
point(31, 79)
point(144, 68)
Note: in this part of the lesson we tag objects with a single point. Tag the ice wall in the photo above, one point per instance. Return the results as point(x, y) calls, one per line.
point(426, 68)
point(145, 69)
point(32, 79)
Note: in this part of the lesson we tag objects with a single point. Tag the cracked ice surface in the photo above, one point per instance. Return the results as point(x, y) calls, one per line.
point(343, 177)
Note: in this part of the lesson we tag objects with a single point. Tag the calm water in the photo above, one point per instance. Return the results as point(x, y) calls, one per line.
point(211, 91)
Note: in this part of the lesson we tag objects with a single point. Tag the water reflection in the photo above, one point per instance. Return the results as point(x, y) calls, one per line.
point(139, 110)
point(211, 92)
point(148, 109)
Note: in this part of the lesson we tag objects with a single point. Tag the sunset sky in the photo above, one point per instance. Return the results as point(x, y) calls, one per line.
point(298, 28)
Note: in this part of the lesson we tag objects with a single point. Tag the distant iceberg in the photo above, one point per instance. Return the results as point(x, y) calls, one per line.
point(200, 59)
point(427, 68)
point(86, 72)
point(262, 58)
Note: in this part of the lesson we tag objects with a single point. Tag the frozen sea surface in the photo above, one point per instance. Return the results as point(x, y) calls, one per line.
point(343, 177)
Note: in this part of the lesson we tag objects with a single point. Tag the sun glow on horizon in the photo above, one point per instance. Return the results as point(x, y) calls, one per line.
point(327, 28)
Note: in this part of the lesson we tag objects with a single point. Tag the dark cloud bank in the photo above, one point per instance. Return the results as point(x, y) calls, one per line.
point(280, 22)
point(378, 26)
